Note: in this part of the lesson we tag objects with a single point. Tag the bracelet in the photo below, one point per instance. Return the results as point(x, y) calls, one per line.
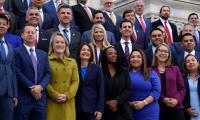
point(145, 102)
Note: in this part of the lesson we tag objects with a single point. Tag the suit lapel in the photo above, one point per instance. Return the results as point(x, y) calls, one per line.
point(27, 56)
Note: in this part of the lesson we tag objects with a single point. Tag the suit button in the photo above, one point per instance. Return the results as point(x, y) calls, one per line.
point(64, 69)
point(64, 81)
point(55, 82)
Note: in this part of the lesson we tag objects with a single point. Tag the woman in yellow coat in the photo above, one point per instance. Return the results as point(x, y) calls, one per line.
point(64, 81)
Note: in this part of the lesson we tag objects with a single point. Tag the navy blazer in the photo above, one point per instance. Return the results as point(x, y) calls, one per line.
point(49, 21)
point(8, 82)
point(14, 40)
point(25, 74)
point(173, 27)
point(90, 95)
point(44, 39)
point(86, 37)
point(187, 101)
point(174, 84)
point(148, 28)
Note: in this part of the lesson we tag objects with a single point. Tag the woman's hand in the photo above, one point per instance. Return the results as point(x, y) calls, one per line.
point(138, 104)
point(61, 98)
point(97, 115)
point(191, 112)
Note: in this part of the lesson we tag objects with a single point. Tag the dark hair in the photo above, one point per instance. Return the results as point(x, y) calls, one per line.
point(186, 34)
point(104, 62)
point(63, 5)
point(144, 69)
point(126, 12)
point(79, 50)
point(184, 63)
point(97, 11)
point(163, 7)
point(5, 17)
point(123, 21)
point(193, 14)
point(27, 24)
point(156, 29)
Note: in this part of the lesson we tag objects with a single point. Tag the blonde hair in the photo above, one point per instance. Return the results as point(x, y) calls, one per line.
point(155, 59)
point(51, 43)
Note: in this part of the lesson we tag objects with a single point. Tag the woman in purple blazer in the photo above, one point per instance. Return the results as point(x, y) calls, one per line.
point(172, 85)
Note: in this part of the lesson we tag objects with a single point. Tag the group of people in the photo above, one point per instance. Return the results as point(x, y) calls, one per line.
point(78, 63)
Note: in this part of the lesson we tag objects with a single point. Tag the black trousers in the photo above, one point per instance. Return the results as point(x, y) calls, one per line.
point(84, 116)
point(172, 114)
point(6, 108)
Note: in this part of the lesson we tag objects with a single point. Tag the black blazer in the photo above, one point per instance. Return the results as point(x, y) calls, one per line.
point(121, 55)
point(173, 27)
point(119, 88)
point(186, 101)
point(44, 39)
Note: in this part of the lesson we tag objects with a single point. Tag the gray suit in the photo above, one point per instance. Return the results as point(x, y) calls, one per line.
point(8, 85)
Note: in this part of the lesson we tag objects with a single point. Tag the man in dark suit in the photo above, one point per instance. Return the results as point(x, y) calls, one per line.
point(170, 27)
point(142, 23)
point(138, 36)
point(33, 75)
point(112, 20)
point(125, 45)
point(83, 15)
point(8, 82)
point(98, 18)
point(188, 46)
point(157, 38)
point(65, 16)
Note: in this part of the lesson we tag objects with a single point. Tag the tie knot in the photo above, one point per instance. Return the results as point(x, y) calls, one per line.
point(65, 31)
point(31, 50)
point(126, 43)
point(165, 21)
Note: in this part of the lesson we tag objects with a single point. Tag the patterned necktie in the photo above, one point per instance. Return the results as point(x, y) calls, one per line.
point(126, 50)
point(168, 33)
point(112, 18)
point(34, 62)
point(142, 24)
point(3, 51)
point(65, 31)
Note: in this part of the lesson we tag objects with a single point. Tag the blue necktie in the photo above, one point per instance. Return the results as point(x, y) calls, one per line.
point(65, 31)
point(25, 4)
point(3, 51)
point(34, 62)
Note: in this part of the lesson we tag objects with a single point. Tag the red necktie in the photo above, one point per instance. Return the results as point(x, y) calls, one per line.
point(142, 24)
point(134, 37)
point(168, 33)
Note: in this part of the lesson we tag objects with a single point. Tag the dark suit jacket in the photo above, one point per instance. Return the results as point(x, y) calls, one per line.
point(148, 28)
point(44, 39)
point(86, 37)
point(81, 18)
point(118, 88)
point(25, 75)
point(49, 21)
point(109, 26)
point(121, 55)
point(90, 95)
point(187, 100)
point(173, 27)
point(13, 40)
point(8, 82)
point(75, 41)
point(174, 85)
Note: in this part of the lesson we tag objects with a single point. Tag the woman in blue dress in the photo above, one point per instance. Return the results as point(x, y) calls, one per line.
point(192, 97)
point(145, 88)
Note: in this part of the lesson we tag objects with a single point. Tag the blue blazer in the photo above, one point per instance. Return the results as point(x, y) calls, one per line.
point(49, 21)
point(148, 27)
point(90, 95)
point(13, 40)
point(8, 82)
point(25, 74)
point(86, 37)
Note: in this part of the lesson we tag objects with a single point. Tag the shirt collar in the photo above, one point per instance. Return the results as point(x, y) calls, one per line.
point(62, 28)
point(28, 47)
point(163, 21)
point(122, 41)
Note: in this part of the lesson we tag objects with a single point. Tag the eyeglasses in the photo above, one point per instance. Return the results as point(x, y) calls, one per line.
point(163, 51)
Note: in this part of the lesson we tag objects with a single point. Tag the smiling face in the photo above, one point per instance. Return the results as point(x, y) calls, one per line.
point(191, 64)
point(33, 16)
point(85, 53)
point(193, 19)
point(157, 37)
point(165, 12)
point(130, 16)
point(65, 16)
point(3, 26)
point(188, 43)
point(139, 7)
point(136, 60)
point(126, 30)
point(98, 34)
point(59, 45)
point(162, 53)
point(29, 35)
point(111, 55)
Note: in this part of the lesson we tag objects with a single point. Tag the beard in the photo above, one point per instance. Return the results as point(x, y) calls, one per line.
point(164, 17)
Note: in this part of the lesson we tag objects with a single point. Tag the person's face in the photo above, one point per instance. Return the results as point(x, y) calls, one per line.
point(193, 20)
point(38, 3)
point(111, 55)
point(188, 29)
point(29, 35)
point(165, 12)
point(162, 53)
point(99, 18)
point(188, 43)
point(33, 16)
point(109, 5)
point(85, 53)
point(65, 16)
point(2, 2)
point(191, 63)
point(126, 29)
point(136, 60)
point(130, 16)
point(139, 7)
point(3, 26)
point(98, 34)
point(157, 37)
point(59, 45)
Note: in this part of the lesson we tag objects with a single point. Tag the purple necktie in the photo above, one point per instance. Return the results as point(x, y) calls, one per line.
point(126, 50)
point(34, 62)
